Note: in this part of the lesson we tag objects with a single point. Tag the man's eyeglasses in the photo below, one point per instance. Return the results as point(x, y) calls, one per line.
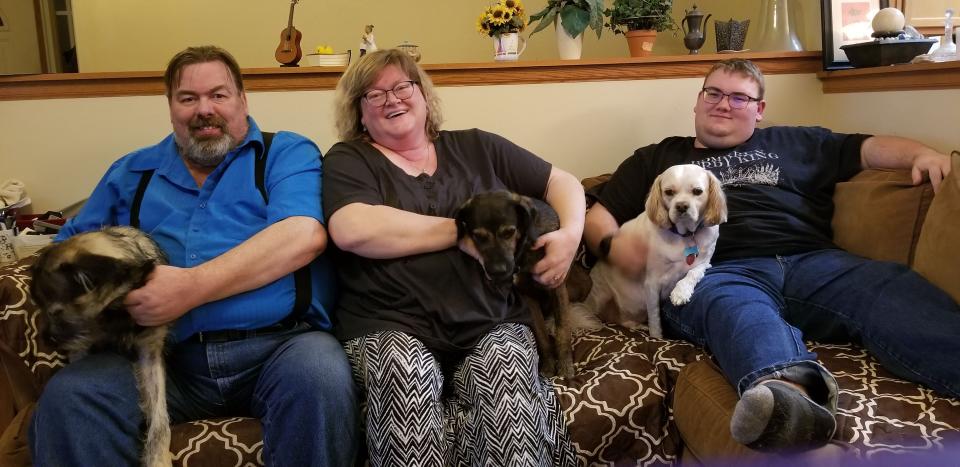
point(378, 97)
point(737, 100)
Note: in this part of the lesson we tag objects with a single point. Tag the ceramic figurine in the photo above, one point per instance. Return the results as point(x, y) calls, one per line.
point(367, 43)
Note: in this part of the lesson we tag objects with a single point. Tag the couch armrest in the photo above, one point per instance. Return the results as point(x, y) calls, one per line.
point(18, 393)
point(20, 322)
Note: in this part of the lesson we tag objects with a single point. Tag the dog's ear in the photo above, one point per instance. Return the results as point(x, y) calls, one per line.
point(464, 212)
point(44, 281)
point(655, 208)
point(526, 221)
point(88, 271)
point(715, 212)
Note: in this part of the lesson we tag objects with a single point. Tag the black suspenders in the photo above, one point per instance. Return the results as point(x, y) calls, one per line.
point(301, 277)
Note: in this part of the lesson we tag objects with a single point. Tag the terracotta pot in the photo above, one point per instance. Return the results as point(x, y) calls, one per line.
point(641, 41)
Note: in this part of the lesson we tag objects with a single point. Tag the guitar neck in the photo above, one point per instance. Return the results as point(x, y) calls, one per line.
point(290, 20)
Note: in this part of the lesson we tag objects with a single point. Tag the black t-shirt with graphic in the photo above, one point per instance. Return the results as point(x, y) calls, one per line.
point(441, 297)
point(779, 186)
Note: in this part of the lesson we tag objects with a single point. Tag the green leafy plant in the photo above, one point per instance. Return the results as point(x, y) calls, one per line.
point(631, 15)
point(575, 15)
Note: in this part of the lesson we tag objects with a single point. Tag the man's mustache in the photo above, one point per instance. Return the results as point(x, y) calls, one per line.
point(201, 122)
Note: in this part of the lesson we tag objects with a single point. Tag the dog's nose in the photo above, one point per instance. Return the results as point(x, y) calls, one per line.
point(498, 270)
point(682, 207)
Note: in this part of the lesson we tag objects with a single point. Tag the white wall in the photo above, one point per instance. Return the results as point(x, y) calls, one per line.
point(929, 116)
point(61, 147)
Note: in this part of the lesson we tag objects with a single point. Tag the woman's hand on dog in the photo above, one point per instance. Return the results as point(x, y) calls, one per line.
point(560, 249)
point(165, 297)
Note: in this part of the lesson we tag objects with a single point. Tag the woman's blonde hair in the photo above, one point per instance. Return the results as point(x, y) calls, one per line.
point(360, 76)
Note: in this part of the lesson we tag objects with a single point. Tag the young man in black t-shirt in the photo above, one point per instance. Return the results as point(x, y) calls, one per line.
point(776, 273)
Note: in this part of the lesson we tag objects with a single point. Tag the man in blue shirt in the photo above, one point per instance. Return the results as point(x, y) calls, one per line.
point(250, 337)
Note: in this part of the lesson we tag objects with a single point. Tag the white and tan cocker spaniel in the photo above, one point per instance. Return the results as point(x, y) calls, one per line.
point(680, 226)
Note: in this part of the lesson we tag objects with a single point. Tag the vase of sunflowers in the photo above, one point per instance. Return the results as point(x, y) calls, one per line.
point(504, 21)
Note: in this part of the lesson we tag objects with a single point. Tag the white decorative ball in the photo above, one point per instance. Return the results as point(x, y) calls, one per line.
point(888, 20)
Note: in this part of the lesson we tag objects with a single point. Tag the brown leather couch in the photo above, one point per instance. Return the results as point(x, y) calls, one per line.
point(634, 400)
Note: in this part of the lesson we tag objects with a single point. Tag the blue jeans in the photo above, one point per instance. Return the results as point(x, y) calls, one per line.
point(297, 383)
point(752, 314)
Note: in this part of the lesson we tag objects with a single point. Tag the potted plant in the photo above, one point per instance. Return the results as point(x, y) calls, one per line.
point(503, 17)
point(640, 21)
point(571, 17)
point(503, 21)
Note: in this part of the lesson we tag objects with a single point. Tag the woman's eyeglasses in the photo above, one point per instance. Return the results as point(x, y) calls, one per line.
point(737, 100)
point(378, 97)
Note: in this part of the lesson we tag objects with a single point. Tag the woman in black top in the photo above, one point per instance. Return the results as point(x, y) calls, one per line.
point(445, 357)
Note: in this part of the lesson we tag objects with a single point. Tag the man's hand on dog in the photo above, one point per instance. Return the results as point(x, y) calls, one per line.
point(561, 247)
point(165, 297)
point(628, 254)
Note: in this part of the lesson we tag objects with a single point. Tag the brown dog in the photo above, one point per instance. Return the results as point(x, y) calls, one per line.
point(503, 227)
point(79, 286)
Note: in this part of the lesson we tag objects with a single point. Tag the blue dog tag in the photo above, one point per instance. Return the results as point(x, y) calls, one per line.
point(691, 252)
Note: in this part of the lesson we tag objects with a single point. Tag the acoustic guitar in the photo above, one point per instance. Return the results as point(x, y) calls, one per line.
point(289, 52)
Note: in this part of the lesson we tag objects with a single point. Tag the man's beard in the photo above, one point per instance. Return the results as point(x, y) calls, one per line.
point(207, 152)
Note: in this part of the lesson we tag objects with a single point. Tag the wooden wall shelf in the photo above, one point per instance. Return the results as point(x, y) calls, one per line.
point(146, 83)
point(74, 85)
point(906, 77)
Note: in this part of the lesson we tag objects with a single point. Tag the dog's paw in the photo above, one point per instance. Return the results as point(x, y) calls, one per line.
point(565, 369)
point(681, 294)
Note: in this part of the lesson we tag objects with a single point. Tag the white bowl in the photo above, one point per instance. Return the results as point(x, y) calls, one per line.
point(329, 59)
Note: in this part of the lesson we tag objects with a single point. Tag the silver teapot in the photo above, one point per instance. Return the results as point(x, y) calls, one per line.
point(693, 37)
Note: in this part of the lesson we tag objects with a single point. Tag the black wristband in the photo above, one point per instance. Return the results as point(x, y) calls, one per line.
point(603, 249)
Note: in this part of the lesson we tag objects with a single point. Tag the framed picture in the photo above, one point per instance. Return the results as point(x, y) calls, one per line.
point(845, 22)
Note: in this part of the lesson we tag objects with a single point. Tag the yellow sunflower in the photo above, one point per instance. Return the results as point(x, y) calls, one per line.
point(483, 26)
point(497, 15)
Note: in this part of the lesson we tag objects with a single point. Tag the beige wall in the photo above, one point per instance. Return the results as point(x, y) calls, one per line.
point(61, 147)
point(142, 34)
point(19, 47)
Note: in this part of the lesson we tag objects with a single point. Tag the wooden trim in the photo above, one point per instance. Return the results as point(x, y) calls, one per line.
point(144, 83)
point(41, 41)
point(913, 76)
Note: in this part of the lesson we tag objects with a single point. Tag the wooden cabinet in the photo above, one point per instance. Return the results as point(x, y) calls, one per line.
point(928, 15)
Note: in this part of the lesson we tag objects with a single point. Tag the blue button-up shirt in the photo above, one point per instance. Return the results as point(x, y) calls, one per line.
point(196, 224)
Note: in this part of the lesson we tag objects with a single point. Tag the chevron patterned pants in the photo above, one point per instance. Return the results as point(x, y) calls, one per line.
point(497, 410)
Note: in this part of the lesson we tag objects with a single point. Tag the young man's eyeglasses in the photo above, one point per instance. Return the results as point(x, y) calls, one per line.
point(378, 97)
point(737, 100)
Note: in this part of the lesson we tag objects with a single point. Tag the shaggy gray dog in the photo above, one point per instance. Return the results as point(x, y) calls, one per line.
point(79, 285)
